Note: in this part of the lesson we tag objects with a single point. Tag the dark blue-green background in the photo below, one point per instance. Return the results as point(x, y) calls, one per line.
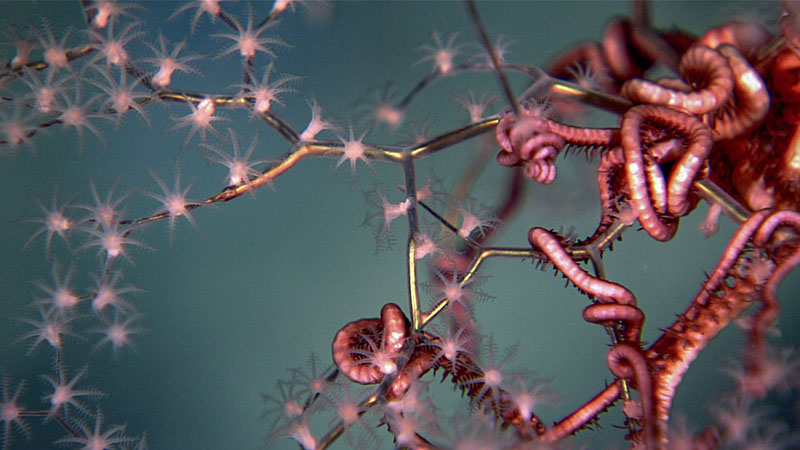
point(269, 279)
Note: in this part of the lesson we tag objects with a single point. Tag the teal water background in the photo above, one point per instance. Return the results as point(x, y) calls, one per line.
point(270, 278)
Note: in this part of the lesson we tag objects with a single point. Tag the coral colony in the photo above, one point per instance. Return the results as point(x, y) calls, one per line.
point(141, 143)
